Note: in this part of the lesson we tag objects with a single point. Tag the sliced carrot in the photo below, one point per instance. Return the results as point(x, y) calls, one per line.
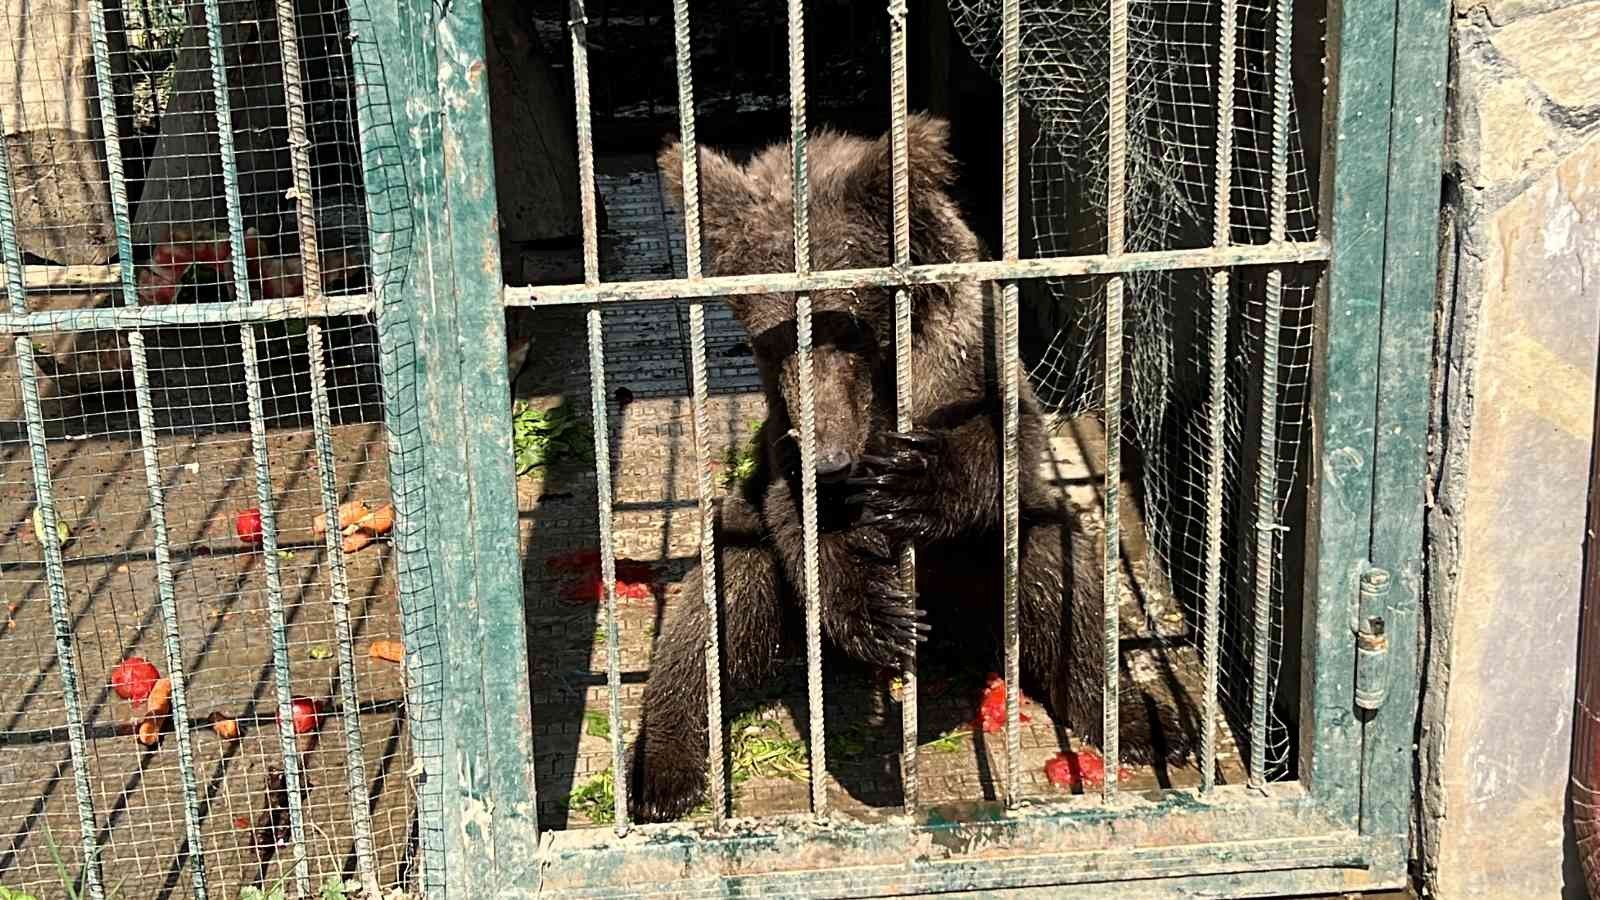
point(356, 540)
point(225, 727)
point(379, 521)
point(159, 702)
point(349, 513)
point(392, 651)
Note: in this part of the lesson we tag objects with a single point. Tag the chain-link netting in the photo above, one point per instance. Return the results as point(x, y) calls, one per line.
point(1172, 103)
point(188, 588)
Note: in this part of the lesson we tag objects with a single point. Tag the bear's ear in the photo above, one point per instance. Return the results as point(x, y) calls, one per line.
point(928, 147)
point(930, 170)
point(726, 192)
point(930, 167)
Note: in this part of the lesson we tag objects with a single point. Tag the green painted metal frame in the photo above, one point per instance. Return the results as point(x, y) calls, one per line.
point(1381, 204)
point(439, 302)
point(1410, 298)
point(426, 152)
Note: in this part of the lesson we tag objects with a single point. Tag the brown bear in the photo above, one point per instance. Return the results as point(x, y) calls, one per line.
point(939, 486)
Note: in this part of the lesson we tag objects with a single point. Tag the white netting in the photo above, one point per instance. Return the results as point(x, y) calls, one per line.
point(1171, 157)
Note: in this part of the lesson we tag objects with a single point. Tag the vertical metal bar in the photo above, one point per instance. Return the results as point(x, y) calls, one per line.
point(55, 571)
point(808, 420)
point(597, 400)
point(321, 426)
point(1216, 413)
point(1267, 460)
point(580, 78)
point(1354, 191)
point(1011, 248)
point(902, 370)
point(702, 419)
point(258, 443)
point(299, 150)
point(1411, 274)
point(1116, 190)
point(398, 114)
point(355, 758)
point(172, 636)
point(608, 562)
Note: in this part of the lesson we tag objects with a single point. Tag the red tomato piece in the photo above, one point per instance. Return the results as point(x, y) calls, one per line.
point(303, 714)
point(1075, 769)
point(992, 708)
point(247, 525)
point(134, 678)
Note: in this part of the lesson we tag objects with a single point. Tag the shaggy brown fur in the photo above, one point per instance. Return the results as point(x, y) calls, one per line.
point(939, 486)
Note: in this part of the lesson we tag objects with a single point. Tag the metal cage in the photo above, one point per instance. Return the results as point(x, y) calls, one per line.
point(437, 300)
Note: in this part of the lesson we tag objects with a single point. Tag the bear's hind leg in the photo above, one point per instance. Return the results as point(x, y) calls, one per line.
point(667, 769)
point(1061, 599)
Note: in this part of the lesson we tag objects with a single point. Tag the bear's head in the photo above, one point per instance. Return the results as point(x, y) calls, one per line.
point(747, 228)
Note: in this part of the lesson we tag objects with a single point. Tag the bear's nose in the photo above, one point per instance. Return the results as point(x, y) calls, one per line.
point(832, 462)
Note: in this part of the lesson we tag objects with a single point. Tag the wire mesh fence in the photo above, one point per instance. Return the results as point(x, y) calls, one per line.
point(1178, 91)
point(202, 679)
point(199, 472)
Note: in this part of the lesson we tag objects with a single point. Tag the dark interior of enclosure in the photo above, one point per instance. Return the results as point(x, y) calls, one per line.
point(213, 471)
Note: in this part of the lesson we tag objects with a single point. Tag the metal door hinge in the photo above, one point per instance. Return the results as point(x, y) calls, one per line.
point(1372, 639)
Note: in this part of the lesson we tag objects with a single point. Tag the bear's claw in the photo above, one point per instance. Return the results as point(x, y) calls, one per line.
point(896, 487)
point(894, 627)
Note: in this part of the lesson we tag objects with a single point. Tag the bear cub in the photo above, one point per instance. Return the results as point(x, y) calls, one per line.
point(938, 486)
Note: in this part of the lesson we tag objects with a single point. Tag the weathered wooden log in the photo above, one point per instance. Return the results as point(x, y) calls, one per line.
point(183, 190)
point(536, 161)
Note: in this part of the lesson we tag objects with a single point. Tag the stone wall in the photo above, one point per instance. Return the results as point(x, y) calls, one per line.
point(1520, 315)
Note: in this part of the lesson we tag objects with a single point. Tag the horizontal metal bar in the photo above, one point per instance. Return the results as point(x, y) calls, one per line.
point(1276, 254)
point(1112, 867)
point(194, 314)
point(57, 321)
point(1061, 843)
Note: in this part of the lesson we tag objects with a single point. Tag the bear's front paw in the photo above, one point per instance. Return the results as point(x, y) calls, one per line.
point(663, 786)
point(892, 627)
point(896, 487)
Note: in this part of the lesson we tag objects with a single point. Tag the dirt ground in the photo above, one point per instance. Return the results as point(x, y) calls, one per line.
point(224, 612)
point(224, 605)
